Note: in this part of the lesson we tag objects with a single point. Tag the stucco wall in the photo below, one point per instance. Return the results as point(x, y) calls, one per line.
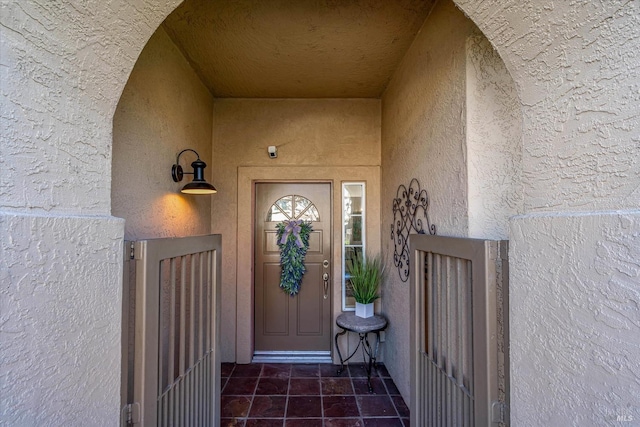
point(64, 65)
point(323, 135)
point(575, 325)
point(574, 277)
point(580, 142)
point(60, 316)
point(577, 76)
point(423, 137)
point(164, 109)
point(494, 143)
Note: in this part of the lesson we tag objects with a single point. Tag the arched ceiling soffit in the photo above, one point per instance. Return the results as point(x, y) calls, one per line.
point(296, 48)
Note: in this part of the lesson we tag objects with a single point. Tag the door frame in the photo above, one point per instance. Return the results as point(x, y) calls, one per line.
point(330, 236)
point(247, 177)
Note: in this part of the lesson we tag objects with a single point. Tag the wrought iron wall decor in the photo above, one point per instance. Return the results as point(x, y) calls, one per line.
point(410, 212)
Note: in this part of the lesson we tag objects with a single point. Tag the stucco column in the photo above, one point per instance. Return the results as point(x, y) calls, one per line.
point(64, 65)
point(575, 254)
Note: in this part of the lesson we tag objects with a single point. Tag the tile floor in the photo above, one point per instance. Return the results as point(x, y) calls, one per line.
point(309, 395)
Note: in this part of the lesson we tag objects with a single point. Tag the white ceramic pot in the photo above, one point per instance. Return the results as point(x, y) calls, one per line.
point(364, 310)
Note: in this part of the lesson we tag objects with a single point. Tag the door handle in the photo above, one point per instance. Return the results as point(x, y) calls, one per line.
point(325, 278)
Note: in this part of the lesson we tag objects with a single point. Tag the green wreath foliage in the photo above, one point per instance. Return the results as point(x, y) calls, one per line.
point(292, 253)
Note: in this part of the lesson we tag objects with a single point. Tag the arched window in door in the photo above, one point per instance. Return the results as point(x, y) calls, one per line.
point(293, 207)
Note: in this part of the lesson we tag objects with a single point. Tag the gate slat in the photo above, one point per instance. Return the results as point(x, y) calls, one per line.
point(172, 323)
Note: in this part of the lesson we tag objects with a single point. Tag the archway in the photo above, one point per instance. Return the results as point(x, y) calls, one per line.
point(527, 48)
point(573, 253)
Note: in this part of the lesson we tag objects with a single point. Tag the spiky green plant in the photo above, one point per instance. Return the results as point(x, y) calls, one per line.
point(366, 274)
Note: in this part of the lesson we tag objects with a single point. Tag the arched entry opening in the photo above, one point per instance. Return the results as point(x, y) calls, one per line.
point(465, 116)
point(563, 192)
point(574, 251)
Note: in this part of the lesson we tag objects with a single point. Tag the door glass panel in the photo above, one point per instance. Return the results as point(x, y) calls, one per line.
point(286, 205)
point(293, 207)
point(301, 204)
point(276, 214)
point(310, 215)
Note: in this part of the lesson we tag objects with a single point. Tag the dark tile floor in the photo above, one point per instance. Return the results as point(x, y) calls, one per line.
point(310, 395)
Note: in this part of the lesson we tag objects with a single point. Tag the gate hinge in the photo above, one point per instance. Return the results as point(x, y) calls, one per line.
point(498, 412)
point(131, 414)
point(132, 250)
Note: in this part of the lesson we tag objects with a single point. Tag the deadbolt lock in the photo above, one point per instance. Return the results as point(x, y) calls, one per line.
point(325, 263)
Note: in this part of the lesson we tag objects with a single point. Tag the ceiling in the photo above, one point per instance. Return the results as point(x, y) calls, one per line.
point(296, 48)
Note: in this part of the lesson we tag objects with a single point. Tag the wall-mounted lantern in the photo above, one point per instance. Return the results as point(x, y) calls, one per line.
point(199, 185)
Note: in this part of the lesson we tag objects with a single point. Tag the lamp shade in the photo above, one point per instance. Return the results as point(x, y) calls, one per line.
point(199, 185)
point(198, 188)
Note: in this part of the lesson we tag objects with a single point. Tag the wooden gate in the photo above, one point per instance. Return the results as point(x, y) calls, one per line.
point(176, 368)
point(459, 343)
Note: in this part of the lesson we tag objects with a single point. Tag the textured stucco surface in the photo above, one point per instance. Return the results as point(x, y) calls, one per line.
point(60, 309)
point(494, 143)
point(577, 70)
point(325, 133)
point(575, 319)
point(577, 86)
point(64, 65)
point(164, 109)
point(423, 137)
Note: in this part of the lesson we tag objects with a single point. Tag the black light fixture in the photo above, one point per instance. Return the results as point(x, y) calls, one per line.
point(198, 185)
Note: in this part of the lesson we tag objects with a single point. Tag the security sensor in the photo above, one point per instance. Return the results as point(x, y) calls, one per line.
point(273, 151)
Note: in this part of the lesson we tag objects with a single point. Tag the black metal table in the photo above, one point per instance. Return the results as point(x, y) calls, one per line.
point(349, 322)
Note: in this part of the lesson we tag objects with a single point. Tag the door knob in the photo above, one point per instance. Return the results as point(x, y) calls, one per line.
point(325, 278)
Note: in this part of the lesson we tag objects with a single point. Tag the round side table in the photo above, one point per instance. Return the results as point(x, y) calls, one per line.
point(349, 322)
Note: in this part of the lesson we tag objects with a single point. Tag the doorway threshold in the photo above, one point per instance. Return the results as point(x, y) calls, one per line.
point(292, 357)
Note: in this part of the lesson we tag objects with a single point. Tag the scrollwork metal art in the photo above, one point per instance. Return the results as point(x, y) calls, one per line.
point(410, 212)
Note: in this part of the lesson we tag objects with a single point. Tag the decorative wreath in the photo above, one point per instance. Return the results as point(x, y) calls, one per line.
point(293, 240)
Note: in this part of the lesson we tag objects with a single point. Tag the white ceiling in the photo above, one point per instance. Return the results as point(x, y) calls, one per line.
point(296, 48)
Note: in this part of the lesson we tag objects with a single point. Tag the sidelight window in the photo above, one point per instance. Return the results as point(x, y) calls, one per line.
point(353, 234)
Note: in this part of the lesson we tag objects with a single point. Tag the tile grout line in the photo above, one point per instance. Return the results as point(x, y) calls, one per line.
point(286, 402)
point(393, 404)
point(255, 389)
point(321, 396)
point(355, 398)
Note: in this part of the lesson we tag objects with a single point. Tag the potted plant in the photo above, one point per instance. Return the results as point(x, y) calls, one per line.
point(366, 276)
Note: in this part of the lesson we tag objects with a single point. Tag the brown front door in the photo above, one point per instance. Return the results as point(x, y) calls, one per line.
point(300, 323)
